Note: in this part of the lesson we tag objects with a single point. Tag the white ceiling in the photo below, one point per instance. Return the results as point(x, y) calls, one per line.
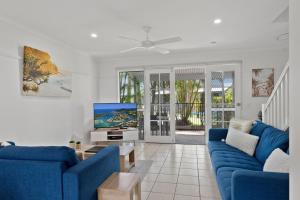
point(246, 23)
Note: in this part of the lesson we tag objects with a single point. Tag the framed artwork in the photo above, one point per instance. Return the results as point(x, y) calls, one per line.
point(42, 77)
point(262, 82)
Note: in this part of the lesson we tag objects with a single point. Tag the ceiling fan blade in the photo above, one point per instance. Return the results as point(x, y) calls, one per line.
point(160, 50)
point(128, 38)
point(131, 49)
point(167, 40)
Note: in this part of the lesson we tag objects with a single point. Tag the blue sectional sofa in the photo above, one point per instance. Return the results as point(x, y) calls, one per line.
point(240, 176)
point(53, 173)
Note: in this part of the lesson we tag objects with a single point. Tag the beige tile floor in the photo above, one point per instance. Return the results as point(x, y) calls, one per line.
point(175, 172)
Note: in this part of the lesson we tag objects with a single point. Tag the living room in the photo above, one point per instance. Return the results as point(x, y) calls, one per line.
point(212, 53)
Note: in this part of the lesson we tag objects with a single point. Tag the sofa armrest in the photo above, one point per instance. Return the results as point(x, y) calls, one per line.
point(81, 181)
point(258, 185)
point(217, 134)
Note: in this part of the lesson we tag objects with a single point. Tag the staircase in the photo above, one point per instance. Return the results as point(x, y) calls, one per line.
point(276, 111)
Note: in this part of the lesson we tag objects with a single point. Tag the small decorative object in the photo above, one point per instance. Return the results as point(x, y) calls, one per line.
point(72, 144)
point(41, 77)
point(78, 145)
point(262, 82)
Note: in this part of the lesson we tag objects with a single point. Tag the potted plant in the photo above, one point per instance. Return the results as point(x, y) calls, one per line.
point(78, 145)
point(72, 144)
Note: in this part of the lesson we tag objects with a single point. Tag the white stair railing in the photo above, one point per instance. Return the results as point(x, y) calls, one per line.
point(276, 111)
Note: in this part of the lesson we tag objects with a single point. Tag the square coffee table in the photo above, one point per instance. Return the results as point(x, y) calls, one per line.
point(127, 150)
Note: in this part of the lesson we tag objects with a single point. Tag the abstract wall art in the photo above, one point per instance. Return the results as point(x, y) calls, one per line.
point(42, 77)
point(262, 82)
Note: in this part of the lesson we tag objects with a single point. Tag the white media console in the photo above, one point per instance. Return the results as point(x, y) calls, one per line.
point(105, 135)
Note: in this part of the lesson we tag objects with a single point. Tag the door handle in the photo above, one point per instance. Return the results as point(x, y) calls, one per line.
point(238, 104)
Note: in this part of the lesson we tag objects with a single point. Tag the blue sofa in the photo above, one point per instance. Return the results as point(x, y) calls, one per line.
point(53, 173)
point(240, 176)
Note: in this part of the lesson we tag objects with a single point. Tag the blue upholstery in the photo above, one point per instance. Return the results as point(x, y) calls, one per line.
point(224, 177)
point(26, 175)
point(31, 180)
point(220, 146)
point(81, 181)
point(234, 159)
point(217, 134)
point(258, 185)
point(60, 154)
point(240, 176)
point(258, 128)
point(271, 139)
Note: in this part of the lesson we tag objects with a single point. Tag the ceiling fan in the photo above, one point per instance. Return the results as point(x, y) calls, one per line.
point(149, 44)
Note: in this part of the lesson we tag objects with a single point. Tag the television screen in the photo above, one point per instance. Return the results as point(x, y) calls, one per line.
point(111, 115)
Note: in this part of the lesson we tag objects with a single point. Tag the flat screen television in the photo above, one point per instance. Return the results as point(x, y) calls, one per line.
point(115, 115)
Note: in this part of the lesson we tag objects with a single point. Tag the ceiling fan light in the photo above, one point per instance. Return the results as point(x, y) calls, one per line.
point(218, 21)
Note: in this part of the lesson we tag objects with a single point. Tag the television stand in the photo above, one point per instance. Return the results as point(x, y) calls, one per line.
point(114, 134)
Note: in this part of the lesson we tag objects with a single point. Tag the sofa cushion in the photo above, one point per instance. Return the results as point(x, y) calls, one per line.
point(224, 176)
point(258, 128)
point(242, 141)
point(241, 124)
point(60, 154)
point(234, 159)
point(278, 161)
point(220, 146)
point(270, 140)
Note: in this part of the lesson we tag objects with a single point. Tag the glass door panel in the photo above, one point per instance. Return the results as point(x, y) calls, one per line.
point(159, 100)
point(223, 95)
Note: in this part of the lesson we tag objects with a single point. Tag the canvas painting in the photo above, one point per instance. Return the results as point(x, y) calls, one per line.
point(262, 82)
point(42, 77)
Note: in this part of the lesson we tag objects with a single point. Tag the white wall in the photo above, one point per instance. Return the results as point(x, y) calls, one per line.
point(250, 59)
point(43, 120)
point(295, 99)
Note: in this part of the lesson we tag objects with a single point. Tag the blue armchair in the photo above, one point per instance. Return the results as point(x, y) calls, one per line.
point(53, 173)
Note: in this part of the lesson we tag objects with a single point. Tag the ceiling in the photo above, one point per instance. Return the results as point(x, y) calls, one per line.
point(246, 24)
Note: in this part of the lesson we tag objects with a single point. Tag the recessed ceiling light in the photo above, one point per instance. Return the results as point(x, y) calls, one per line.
point(218, 21)
point(94, 35)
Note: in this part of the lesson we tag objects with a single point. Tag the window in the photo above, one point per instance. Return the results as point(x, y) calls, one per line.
point(131, 90)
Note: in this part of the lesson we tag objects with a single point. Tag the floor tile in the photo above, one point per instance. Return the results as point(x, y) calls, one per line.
point(147, 186)
point(190, 180)
point(205, 181)
point(145, 195)
point(205, 173)
point(169, 171)
point(150, 177)
point(209, 191)
point(189, 190)
point(164, 178)
point(166, 188)
point(160, 196)
point(188, 160)
point(189, 165)
point(184, 197)
point(188, 172)
point(154, 170)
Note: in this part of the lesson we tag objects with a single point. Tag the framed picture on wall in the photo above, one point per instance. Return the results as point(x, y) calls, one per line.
point(262, 82)
point(42, 77)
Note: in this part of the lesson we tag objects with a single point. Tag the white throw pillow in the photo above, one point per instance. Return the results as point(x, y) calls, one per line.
point(242, 141)
point(241, 124)
point(278, 161)
point(4, 144)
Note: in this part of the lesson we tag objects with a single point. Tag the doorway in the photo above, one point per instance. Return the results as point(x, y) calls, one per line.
point(190, 105)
